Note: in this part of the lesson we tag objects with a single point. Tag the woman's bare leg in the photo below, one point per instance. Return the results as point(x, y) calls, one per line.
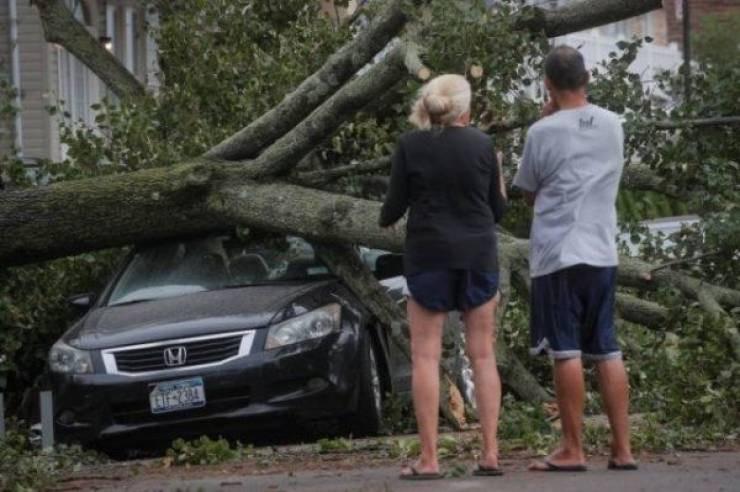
point(480, 337)
point(426, 348)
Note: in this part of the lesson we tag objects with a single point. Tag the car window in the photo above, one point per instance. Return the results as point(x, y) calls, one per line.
point(184, 267)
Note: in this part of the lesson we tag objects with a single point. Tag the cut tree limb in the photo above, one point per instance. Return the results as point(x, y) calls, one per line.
point(62, 28)
point(315, 89)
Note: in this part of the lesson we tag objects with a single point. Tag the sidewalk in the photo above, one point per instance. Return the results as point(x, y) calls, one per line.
point(674, 473)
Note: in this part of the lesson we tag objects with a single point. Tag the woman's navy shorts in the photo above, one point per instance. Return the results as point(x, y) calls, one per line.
point(452, 290)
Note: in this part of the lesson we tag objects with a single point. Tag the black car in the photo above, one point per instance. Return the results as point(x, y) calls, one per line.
point(217, 335)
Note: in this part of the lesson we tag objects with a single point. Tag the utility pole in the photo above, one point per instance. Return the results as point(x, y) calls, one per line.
point(686, 17)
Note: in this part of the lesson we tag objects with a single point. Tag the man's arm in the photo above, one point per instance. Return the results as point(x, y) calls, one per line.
point(526, 176)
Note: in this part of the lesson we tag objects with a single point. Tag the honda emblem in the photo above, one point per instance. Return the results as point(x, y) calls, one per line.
point(175, 356)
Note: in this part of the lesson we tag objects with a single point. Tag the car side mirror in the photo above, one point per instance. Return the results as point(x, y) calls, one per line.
point(388, 266)
point(82, 302)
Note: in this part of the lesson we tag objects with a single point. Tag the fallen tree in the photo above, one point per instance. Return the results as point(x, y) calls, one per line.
point(254, 177)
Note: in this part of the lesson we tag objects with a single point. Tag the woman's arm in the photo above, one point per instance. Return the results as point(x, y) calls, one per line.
point(396, 200)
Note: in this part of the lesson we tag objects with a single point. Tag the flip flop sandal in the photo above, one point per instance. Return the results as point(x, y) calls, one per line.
point(625, 467)
point(550, 467)
point(487, 471)
point(416, 475)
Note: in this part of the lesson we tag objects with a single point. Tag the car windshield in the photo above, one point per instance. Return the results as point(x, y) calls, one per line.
point(184, 267)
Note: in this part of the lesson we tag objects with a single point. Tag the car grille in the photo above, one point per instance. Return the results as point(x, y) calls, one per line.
point(197, 353)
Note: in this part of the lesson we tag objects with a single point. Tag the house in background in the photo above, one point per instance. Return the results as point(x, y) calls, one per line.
point(596, 44)
point(698, 10)
point(47, 75)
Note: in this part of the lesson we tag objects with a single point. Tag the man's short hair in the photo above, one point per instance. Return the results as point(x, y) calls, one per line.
point(565, 68)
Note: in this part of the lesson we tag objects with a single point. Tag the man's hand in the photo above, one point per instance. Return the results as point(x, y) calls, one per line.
point(549, 108)
point(529, 197)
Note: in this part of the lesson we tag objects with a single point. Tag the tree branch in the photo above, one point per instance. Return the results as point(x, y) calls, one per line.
point(282, 155)
point(337, 70)
point(73, 217)
point(642, 312)
point(516, 376)
point(325, 176)
point(635, 176)
point(585, 14)
point(697, 123)
point(641, 177)
point(62, 28)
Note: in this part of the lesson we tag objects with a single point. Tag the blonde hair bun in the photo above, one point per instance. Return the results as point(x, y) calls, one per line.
point(437, 105)
point(441, 101)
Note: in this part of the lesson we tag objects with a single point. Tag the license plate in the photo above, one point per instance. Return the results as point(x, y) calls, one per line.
point(177, 395)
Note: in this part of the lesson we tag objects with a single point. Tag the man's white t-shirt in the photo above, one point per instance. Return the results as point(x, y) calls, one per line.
point(573, 162)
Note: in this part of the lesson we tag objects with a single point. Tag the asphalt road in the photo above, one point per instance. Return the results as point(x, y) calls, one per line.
point(674, 473)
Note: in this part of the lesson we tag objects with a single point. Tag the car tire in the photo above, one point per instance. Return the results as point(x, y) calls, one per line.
point(369, 417)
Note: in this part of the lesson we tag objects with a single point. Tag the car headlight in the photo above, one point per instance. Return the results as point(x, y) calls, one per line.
point(69, 360)
point(315, 324)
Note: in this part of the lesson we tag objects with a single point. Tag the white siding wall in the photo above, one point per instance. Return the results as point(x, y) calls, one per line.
point(6, 127)
point(34, 63)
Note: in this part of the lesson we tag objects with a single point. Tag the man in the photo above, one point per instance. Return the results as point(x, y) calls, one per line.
point(570, 173)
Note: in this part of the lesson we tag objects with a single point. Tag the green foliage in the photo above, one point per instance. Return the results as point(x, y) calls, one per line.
point(404, 448)
point(336, 445)
point(24, 468)
point(398, 414)
point(716, 42)
point(204, 451)
point(34, 312)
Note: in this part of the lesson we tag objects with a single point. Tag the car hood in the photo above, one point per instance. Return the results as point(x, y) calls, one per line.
point(189, 315)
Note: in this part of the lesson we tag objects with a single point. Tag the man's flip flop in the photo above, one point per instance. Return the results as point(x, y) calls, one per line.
point(417, 475)
point(625, 467)
point(551, 467)
point(487, 471)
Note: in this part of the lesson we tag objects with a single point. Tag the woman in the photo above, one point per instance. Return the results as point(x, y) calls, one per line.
point(448, 175)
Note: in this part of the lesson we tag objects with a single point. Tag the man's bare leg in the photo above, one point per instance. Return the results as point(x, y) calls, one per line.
point(614, 389)
point(426, 349)
point(569, 389)
point(479, 340)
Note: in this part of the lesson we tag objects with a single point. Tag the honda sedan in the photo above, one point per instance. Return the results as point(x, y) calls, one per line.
point(217, 335)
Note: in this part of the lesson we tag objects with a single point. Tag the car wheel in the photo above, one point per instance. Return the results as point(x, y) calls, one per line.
point(369, 418)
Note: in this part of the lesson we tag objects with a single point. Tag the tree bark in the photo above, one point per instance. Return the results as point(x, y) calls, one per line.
point(585, 14)
point(513, 373)
point(646, 313)
point(62, 28)
point(697, 123)
point(73, 217)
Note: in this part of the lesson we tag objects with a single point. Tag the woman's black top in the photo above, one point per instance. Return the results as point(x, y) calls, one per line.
point(448, 178)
